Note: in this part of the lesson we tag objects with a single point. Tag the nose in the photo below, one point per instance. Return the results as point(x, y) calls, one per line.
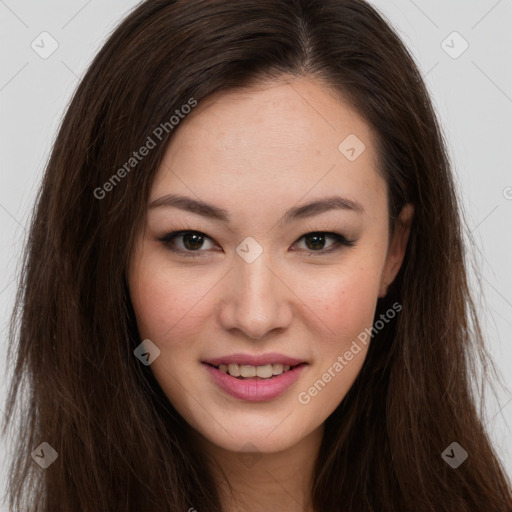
point(255, 300)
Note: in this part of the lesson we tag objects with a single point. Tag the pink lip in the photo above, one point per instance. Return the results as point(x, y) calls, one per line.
point(254, 360)
point(255, 389)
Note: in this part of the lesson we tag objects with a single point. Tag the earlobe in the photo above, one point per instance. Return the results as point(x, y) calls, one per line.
point(397, 248)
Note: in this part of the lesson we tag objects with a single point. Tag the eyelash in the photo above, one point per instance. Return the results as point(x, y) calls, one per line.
point(340, 242)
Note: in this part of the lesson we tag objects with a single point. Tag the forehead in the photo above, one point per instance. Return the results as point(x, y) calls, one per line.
point(272, 143)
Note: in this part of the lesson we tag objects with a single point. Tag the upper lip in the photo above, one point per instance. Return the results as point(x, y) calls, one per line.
point(254, 360)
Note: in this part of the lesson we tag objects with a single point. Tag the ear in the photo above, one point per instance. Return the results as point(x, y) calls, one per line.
point(396, 249)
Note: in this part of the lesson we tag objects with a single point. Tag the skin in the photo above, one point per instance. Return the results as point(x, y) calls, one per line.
point(256, 153)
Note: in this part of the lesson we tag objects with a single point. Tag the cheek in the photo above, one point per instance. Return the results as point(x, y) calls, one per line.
point(165, 300)
point(167, 309)
point(344, 299)
point(352, 301)
point(347, 304)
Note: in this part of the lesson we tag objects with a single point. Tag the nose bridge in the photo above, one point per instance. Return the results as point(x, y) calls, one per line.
point(257, 282)
point(257, 301)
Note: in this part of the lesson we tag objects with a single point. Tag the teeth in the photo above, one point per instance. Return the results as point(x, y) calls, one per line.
point(277, 369)
point(247, 371)
point(234, 370)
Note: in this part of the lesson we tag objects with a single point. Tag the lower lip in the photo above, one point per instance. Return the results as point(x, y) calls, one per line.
point(255, 390)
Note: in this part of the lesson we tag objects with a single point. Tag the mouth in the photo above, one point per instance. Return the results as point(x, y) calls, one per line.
point(254, 383)
point(250, 372)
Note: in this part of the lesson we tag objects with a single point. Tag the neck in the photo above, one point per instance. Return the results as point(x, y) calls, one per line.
point(259, 482)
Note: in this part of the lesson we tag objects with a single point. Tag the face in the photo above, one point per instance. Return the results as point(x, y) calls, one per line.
point(258, 274)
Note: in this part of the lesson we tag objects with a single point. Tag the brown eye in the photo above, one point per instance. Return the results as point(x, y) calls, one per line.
point(191, 242)
point(315, 242)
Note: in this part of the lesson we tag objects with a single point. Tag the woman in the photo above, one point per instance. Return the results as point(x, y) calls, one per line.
point(245, 284)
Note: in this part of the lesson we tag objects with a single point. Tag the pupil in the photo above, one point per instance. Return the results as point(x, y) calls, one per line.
point(196, 244)
point(318, 240)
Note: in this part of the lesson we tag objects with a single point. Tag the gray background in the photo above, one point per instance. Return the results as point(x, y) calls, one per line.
point(472, 94)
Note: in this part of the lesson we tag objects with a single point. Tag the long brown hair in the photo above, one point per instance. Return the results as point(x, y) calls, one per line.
point(78, 386)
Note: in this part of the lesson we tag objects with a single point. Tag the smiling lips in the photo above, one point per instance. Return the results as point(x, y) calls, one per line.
point(254, 389)
point(254, 360)
point(264, 366)
point(247, 371)
point(255, 378)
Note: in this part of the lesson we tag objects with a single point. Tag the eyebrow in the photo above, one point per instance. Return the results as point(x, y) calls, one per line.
point(311, 209)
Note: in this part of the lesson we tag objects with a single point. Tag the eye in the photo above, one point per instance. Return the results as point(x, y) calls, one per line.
point(315, 242)
point(192, 243)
